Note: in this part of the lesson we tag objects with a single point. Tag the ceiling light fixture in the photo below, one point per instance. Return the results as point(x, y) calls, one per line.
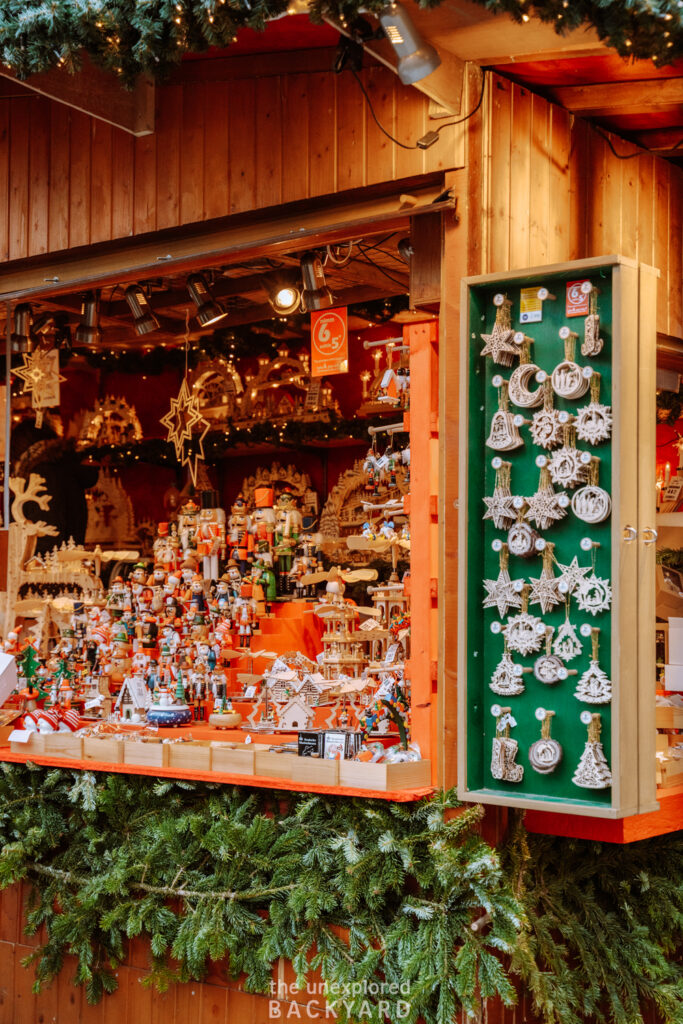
point(405, 250)
point(316, 294)
point(284, 293)
point(208, 310)
point(416, 57)
point(21, 338)
point(143, 318)
point(88, 330)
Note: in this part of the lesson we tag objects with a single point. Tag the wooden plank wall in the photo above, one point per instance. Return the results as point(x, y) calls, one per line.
point(552, 190)
point(221, 147)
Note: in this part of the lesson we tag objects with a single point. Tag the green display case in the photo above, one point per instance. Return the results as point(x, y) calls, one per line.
point(556, 662)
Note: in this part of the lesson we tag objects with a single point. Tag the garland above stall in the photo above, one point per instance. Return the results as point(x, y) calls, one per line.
point(129, 38)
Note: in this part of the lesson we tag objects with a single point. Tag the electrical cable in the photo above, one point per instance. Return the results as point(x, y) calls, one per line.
point(462, 120)
point(631, 156)
point(374, 115)
point(381, 269)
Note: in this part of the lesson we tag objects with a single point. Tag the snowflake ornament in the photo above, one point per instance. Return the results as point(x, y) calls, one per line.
point(568, 466)
point(594, 423)
point(524, 633)
point(594, 595)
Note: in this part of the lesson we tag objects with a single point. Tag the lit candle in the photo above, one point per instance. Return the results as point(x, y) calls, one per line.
point(667, 473)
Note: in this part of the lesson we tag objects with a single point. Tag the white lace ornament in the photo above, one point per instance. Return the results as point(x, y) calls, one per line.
point(592, 771)
point(499, 344)
point(499, 507)
point(592, 504)
point(569, 380)
point(504, 750)
point(504, 433)
point(594, 421)
point(593, 595)
point(594, 686)
point(545, 507)
point(507, 677)
point(544, 589)
point(567, 644)
point(503, 592)
point(524, 633)
point(592, 342)
point(545, 754)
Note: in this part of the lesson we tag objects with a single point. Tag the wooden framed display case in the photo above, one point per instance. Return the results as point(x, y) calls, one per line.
point(550, 631)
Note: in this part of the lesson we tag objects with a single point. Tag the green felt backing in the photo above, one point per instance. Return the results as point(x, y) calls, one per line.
point(484, 648)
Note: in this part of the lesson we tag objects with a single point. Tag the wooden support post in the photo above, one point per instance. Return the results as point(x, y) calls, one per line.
point(424, 484)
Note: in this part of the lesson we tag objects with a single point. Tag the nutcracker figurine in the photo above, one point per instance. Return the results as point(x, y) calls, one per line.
point(288, 527)
point(240, 533)
point(210, 535)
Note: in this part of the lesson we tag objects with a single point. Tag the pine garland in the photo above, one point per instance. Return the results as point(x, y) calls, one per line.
point(208, 873)
point(130, 37)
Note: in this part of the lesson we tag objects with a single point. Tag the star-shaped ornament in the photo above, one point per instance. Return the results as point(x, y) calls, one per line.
point(545, 507)
point(499, 508)
point(499, 345)
point(544, 590)
point(183, 420)
point(571, 575)
point(503, 593)
point(41, 379)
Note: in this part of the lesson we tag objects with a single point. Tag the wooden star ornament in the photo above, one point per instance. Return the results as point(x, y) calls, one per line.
point(187, 429)
point(41, 379)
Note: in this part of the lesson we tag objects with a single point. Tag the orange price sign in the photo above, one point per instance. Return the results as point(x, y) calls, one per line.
point(329, 342)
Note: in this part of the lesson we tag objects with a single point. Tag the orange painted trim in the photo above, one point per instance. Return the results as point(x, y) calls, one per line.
point(258, 781)
point(669, 818)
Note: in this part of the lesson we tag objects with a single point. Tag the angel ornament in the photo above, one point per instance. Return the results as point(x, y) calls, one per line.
point(499, 343)
point(504, 433)
point(594, 421)
point(545, 754)
point(505, 749)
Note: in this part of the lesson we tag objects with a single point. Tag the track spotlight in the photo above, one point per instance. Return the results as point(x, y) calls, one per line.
point(284, 293)
point(208, 310)
point(405, 250)
point(21, 338)
point(416, 57)
point(88, 330)
point(316, 294)
point(144, 319)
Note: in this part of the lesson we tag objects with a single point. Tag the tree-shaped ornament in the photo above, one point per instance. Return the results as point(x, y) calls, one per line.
point(546, 507)
point(506, 680)
point(592, 771)
point(499, 343)
point(499, 507)
point(544, 588)
point(504, 434)
point(545, 754)
point(592, 342)
point(524, 633)
point(567, 644)
point(594, 686)
point(503, 592)
point(592, 503)
point(505, 749)
point(594, 421)
point(568, 466)
point(546, 424)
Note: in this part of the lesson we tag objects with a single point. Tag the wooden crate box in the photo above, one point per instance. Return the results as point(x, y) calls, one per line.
point(406, 775)
point(233, 760)
point(150, 753)
point(36, 745)
point(107, 749)
point(314, 769)
point(63, 744)
point(194, 755)
point(278, 766)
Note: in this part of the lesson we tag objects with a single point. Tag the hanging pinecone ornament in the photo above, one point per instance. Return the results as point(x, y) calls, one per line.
point(594, 686)
point(505, 749)
point(594, 595)
point(503, 592)
point(499, 343)
point(592, 503)
point(504, 434)
point(499, 507)
point(544, 588)
point(592, 342)
point(545, 754)
point(568, 466)
point(524, 633)
point(506, 680)
point(594, 421)
point(547, 423)
point(592, 771)
point(545, 507)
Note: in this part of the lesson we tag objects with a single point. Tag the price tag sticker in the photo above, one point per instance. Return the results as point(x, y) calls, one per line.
point(578, 298)
point(329, 341)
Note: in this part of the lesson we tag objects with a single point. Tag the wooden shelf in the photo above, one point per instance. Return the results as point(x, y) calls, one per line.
point(670, 519)
point(621, 830)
